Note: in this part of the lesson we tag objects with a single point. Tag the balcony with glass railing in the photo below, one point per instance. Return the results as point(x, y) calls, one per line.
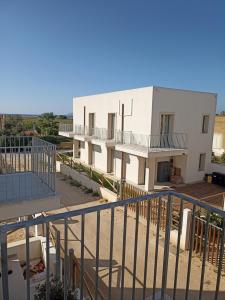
point(27, 173)
point(152, 143)
point(66, 130)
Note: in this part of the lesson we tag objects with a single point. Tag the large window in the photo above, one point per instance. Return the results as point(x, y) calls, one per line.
point(201, 166)
point(205, 124)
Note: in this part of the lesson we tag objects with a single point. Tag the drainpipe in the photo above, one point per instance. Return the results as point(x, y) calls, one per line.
point(122, 157)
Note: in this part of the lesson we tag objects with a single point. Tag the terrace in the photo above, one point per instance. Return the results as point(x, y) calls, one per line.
point(27, 176)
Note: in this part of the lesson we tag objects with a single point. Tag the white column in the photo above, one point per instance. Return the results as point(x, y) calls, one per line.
point(151, 181)
point(186, 229)
point(75, 149)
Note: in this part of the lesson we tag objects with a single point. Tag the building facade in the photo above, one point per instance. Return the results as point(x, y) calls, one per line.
point(219, 135)
point(149, 135)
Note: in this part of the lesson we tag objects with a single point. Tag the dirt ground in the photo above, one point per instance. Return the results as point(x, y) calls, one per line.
point(74, 198)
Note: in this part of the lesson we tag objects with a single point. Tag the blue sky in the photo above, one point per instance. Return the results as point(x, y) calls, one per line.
point(53, 50)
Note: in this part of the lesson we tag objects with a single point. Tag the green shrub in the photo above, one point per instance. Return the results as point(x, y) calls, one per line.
point(56, 291)
point(95, 194)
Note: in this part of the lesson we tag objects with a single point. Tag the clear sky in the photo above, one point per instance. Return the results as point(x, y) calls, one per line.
point(53, 50)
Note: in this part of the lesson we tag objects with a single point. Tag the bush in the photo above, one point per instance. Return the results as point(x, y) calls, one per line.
point(56, 291)
point(95, 194)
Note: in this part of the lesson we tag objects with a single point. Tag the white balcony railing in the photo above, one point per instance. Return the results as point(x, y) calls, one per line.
point(27, 168)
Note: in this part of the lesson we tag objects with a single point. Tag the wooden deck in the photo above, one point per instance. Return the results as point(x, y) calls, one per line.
point(209, 193)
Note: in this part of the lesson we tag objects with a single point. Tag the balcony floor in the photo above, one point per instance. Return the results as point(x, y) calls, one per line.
point(18, 187)
point(147, 152)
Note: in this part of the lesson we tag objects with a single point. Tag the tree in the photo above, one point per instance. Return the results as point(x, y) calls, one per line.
point(47, 124)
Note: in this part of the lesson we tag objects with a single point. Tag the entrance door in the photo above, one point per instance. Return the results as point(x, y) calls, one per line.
point(163, 171)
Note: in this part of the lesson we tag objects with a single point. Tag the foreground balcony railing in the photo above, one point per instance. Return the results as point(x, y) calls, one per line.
point(118, 258)
point(27, 168)
point(171, 141)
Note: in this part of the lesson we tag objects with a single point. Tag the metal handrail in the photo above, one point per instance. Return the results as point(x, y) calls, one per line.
point(170, 141)
point(23, 159)
point(170, 196)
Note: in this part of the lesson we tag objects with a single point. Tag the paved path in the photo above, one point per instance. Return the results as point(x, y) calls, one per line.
point(72, 193)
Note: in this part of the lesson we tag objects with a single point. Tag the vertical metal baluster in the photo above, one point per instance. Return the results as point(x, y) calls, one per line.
point(65, 258)
point(135, 250)
point(123, 251)
point(220, 265)
point(82, 258)
point(111, 253)
point(190, 252)
point(204, 256)
point(47, 263)
point(97, 253)
point(178, 249)
point(28, 263)
point(156, 248)
point(4, 262)
point(146, 248)
point(166, 246)
point(58, 261)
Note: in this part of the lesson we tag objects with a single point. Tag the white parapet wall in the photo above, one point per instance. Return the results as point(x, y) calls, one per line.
point(185, 233)
point(218, 167)
point(84, 180)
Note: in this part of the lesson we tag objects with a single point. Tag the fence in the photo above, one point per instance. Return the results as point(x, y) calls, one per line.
point(23, 160)
point(98, 177)
point(154, 279)
point(213, 235)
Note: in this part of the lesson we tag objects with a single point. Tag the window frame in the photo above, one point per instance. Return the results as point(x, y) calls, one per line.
point(201, 165)
point(203, 124)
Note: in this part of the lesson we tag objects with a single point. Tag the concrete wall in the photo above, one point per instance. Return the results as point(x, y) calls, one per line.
point(100, 157)
point(86, 181)
point(132, 165)
point(217, 168)
point(29, 207)
point(188, 108)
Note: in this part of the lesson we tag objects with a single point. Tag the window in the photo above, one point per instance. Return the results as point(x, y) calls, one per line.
point(201, 166)
point(205, 124)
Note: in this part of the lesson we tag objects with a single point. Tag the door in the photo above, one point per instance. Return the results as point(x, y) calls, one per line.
point(111, 125)
point(163, 171)
point(91, 123)
point(166, 137)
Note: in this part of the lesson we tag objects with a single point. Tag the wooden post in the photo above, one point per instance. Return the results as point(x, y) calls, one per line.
point(71, 269)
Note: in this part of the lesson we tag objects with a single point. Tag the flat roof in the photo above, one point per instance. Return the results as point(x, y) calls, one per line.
point(145, 87)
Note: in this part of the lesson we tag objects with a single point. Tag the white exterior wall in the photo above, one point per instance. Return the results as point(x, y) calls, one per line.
point(100, 157)
point(188, 108)
point(132, 164)
point(143, 109)
point(84, 152)
point(102, 104)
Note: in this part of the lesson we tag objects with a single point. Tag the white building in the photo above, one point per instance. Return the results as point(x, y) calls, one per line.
point(167, 134)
